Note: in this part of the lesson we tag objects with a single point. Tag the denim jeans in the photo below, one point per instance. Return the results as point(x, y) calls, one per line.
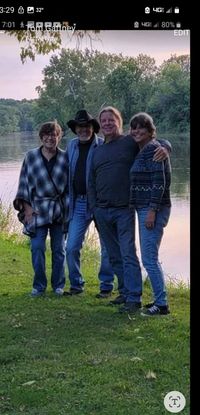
point(117, 229)
point(78, 226)
point(38, 248)
point(150, 240)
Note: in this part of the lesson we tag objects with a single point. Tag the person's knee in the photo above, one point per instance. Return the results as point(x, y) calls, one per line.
point(149, 263)
point(38, 246)
point(71, 250)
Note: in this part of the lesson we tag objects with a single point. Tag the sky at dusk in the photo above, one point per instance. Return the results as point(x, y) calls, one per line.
point(18, 81)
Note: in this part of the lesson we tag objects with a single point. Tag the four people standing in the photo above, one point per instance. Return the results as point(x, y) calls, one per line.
point(99, 189)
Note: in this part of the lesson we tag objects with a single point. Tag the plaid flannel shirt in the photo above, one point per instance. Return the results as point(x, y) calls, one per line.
point(48, 198)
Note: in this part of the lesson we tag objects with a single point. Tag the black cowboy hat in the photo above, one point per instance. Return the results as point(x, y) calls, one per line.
point(83, 118)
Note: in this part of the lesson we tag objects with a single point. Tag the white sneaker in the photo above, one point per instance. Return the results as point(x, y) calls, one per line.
point(59, 291)
point(36, 293)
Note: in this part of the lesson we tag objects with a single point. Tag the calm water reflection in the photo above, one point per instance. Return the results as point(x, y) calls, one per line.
point(175, 248)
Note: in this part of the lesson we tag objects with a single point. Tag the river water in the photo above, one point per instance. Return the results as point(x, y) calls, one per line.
point(175, 247)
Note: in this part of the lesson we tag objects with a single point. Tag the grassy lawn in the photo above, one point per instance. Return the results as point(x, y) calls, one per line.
point(79, 356)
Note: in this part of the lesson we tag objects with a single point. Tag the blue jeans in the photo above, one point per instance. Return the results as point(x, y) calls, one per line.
point(38, 248)
point(78, 226)
point(117, 229)
point(150, 240)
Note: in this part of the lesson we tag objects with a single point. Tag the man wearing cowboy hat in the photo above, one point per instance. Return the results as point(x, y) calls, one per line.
point(80, 151)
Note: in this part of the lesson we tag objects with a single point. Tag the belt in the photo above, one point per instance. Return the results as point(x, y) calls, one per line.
point(81, 196)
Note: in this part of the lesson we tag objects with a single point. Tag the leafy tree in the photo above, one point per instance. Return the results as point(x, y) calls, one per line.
point(182, 60)
point(90, 79)
point(26, 112)
point(9, 117)
point(17, 115)
point(72, 81)
point(170, 102)
point(147, 65)
point(99, 66)
point(43, 42)
point(130, 84)
point(64, 85)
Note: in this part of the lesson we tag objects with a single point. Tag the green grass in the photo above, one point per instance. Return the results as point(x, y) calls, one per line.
point(78, 356)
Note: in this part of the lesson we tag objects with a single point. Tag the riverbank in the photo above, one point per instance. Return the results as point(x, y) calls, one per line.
point(174, 250)
point(78, 355)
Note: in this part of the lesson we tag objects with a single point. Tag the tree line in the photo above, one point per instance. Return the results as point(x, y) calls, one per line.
point(89, 79)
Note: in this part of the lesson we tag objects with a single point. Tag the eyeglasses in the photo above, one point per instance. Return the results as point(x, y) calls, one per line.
point(53, 135)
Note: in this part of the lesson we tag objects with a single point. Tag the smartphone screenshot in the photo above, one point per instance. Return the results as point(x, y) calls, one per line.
point(65, 81)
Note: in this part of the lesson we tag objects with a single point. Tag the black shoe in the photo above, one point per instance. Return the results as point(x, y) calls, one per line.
point(104, 294)
point(73, 291)
point(120, 299)
point(130, 307)
point(155, 310)
point(149, 305)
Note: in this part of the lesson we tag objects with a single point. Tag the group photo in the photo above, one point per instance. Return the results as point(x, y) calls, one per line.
point(94, 222)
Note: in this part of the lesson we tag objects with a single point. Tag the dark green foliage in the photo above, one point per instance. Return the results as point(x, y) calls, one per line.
point(170, 101)
point(91, 80)
point(17, 115)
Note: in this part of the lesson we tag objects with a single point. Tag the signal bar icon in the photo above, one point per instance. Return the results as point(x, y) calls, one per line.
point(169, 10)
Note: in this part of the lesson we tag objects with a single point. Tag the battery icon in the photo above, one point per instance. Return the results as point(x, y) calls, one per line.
point(176, 10)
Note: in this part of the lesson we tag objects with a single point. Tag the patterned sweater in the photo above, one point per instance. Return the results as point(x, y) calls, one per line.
point(150, 180)
point(46, 194)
